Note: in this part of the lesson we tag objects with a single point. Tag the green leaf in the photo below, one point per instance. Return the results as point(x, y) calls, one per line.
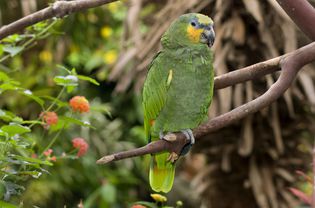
point(3, 76)
point(40, 26)
point(8, 116)
point(29, 94)
point(13, 50)
point(86, 78)
point(14, 129)
point(33, 122)
point(64, 68)
point(8, 86)
point(70, 89)
point(32, 160)
point(1, 51)
point(69, 80)
point(93, 62)
point(57, 101)
point(109, 193)
point(7, 205)
point(12, 38)
point(76, 121)
point(74, 72)
point(34, 174)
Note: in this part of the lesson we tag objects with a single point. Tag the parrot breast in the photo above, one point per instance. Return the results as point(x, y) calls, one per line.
point(190, 91)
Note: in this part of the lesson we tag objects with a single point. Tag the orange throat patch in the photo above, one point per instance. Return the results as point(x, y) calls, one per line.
point(194, 34)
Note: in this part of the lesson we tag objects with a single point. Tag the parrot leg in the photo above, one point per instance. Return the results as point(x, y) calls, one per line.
point(170, 137)
point(190, 137)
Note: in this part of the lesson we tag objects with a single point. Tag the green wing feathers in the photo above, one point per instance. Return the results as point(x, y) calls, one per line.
point(154, 96)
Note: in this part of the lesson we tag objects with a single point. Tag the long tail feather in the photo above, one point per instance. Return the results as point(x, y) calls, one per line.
point(162, 173)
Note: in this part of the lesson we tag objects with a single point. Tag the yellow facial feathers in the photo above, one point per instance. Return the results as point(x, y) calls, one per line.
point(194, 33)
point(203, 19)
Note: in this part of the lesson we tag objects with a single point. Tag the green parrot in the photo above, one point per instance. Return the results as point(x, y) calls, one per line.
point(178, 90)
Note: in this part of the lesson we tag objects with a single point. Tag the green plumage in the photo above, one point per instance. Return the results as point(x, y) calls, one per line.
point(176, 94)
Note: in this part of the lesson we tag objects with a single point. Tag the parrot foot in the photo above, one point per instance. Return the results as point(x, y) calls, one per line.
point(173, 157)
point(170, 137)
point(190, 137)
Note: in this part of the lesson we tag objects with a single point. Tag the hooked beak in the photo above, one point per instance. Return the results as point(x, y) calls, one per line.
point(208, 36)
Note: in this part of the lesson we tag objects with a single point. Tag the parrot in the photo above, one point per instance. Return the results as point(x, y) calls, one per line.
point(178, 90)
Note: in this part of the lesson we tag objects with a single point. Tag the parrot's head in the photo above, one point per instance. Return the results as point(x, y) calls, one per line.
point(188, 30)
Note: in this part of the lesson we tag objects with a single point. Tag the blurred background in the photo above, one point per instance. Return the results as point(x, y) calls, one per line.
point(248, 164)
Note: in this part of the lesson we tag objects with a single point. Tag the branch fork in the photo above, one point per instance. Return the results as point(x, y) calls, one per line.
point(290, 64)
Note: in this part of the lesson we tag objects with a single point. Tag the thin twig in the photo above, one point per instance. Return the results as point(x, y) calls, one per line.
point(290, 64)
point(58, 9)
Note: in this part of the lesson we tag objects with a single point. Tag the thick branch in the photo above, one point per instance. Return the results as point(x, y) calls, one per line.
point(302, 13)
point(58, 9)
point(290, 64)
point(248, 73)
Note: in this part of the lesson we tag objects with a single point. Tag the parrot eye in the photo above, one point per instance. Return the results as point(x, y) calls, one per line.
point(193, 24)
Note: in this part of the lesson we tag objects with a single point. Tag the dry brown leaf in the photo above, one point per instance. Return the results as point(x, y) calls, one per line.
point(238, 34)
point(133, 21)
point(275, 123)
point(257, 184)
point(253, 6)
point(246, 142)
point(214, 108)
point(280, 11)
point(308, 86)
point(283, 173)
point(289, 102)
point(273, 153)
point(28, 6)
point(270, 189)
point(290, 40)
point(203, 173)
point(226, 162)
point(238, 98)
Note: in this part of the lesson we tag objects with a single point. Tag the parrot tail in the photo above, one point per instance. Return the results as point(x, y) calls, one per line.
point(162, 173)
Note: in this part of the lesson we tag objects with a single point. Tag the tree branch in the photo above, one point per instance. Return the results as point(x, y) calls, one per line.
point(289, 63)
point(58, 9)
point(302, 13)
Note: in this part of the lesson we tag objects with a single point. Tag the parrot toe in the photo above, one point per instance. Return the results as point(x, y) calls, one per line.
point(170, 137)
point(172, 157)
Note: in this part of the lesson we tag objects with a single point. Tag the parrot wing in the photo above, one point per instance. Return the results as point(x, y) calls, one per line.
point(154, 97)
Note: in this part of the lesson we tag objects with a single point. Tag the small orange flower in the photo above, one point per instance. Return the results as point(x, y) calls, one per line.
point(80, 144)
point(53, 158)
point(50, 118)
point(79, 104)
point(48, 152)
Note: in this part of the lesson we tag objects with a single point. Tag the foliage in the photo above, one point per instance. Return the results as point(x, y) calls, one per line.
point(38, 123)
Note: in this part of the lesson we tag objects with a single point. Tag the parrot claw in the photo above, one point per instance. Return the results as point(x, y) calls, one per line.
point(172, 157)
point(190, 137)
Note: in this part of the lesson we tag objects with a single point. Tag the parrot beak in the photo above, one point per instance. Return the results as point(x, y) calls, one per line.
point(208, 36)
